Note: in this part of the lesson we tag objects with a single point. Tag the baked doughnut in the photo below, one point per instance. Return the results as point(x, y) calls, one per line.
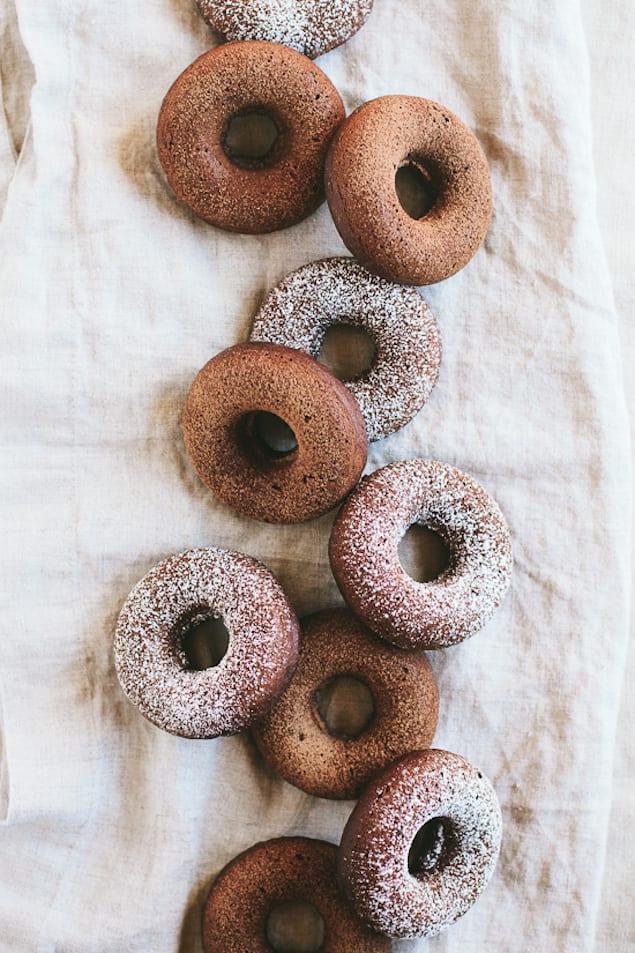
point(310, 26)
point(217, 180)
point(388, 134)
point(180, 593)
point(365, 561)
point(405, 334)
point(421, 844)
point(266, 877)
point(220, 426)
point(294, 737)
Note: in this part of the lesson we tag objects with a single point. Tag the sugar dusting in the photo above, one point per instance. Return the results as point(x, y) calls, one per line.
point(180, 591)
point(365, 561)
point(377, 838)
point(298, 312)
point(309, 26)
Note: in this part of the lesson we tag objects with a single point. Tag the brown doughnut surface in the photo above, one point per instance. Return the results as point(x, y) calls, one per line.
point(421, 844)
point(181, 592)
point(310, 26)
point(234, 192)
point(285, 870)
point(365, 559)
point(294, 738)
point(376, 140)
point(222, 440)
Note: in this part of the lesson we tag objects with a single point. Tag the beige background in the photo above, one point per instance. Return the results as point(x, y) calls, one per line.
point(113, 296)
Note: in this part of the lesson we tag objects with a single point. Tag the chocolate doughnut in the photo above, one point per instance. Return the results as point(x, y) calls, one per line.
point(295, 739)
point(365, 561)
point(383, 136)
point(421, 844)
point(220, 426)
point(238, 192)
point(178, 594)
point(288, 870)
point(405, 334)
point(310, 26)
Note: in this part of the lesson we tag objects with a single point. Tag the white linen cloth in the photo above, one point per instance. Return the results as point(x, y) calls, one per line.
point(114, 295)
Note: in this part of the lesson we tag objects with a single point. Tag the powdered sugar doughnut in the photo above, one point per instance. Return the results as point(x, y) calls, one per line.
point(365, 561)
point(295, 739)
point(310, 26)
point(266, 877)
point(421, 844)
point(176, 595)
point(405, 334)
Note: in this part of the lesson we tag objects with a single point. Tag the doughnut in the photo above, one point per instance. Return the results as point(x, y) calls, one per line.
point(405, 334)
point(294, 738)
point(364, 556)
point(220, 426)
point(181, 592)
point(421, 844)
point(210, 175)
point(266, 877)
point(310, 26)
point(383, 136)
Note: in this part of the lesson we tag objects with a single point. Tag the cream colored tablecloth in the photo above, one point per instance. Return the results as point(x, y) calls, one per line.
point(113, 296)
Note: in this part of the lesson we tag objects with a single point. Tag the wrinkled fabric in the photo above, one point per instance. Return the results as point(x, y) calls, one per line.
point(113, 296)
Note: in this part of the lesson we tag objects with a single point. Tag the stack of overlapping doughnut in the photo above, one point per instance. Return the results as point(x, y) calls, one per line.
point(423, 839)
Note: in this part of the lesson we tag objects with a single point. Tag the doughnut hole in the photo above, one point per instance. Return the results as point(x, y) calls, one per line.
point(431, 847)
point(203, 643)
point(423, 553)
point(418, 188)
point(347, 351)
point(345, 706)
point(267, 439)
point(295, 927)
point(252, 139)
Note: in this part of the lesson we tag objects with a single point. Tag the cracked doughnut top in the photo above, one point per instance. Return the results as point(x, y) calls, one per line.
point(311, 27)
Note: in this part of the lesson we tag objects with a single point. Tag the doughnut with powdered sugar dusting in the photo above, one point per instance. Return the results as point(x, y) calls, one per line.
point(364, 555)
point(311, 27)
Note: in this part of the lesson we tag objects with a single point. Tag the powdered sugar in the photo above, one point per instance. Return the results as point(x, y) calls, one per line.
point(298, 312)
point(365, 561)
point(180, 591)
point(310, 26)
point(375, 845)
